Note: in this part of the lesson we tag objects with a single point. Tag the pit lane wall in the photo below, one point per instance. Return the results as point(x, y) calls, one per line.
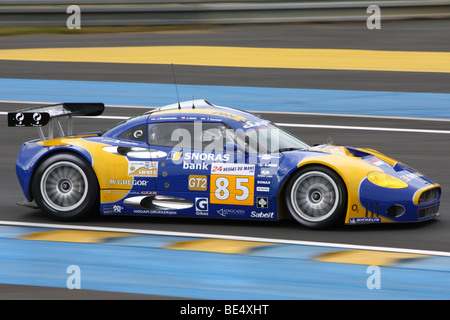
point(200, 12)
point(215, 267)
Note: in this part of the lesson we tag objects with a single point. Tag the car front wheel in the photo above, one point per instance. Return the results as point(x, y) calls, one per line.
point(316, 197)
point(65, 187)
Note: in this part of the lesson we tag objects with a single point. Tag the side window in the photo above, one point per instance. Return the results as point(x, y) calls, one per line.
point(138, 133)
point(169, 134)
point(188, 135)
point(213, 137)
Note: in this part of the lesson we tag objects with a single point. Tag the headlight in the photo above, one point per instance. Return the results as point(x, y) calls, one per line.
point(386, 180)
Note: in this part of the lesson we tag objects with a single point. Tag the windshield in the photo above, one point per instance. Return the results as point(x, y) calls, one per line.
point(272, 139)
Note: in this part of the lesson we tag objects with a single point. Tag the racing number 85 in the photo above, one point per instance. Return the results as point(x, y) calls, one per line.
point(232, 190)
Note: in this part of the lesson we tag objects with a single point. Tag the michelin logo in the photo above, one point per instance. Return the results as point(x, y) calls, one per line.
point(364, 220)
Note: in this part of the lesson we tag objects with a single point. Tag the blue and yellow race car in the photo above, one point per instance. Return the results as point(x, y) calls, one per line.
point(196, 159)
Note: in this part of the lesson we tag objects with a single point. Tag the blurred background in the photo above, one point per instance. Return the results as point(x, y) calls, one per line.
point(101, 13)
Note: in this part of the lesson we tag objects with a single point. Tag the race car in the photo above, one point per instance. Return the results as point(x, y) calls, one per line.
point(197, 159)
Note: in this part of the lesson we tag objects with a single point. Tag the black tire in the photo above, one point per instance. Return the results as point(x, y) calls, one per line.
point(65, 187)
point(316, 197)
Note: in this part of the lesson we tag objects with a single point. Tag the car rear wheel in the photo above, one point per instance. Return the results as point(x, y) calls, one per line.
point(316, 197)
point(65, 187)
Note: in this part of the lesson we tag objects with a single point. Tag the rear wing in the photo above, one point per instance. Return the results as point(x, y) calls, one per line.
point(41, 116)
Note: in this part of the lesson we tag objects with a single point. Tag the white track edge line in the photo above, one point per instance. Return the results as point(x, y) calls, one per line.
point(304, 126)
point(351, 115)
point(227, 237)
point(323, 126)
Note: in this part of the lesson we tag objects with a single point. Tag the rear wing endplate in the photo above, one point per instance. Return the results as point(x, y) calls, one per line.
point(41, 116)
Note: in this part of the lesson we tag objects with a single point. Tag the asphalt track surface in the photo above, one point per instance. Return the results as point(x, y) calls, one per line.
point(427, 152)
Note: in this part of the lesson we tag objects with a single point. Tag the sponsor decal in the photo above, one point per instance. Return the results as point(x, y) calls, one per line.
point(273, 165)
point(411, 176)
point(222, 157)
point(37, 117)
point(167, 118)
point(337, 150)
point(144, 211)
point(201, 206)
point(112, 209)
point(20, 117)
point(195, 166)
point(265, 174)
point(376, 162)
point(232, 183)
point(268, 156)
point(117, 141)
point(147, 192)
point(117, 208)
point(197, 182)
point(233, 169)
point(263, 189)
point(228, 115)
point(174, 155)
point(142, 168)
point(162, 212)
point(261, 215)
point(364, 220)
point(262, 202)
point(140, 211)
point(28, 119)
point(252, 124)
point(122, 182)
point(205, 112)
point(231, 189)
point(226, 212)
